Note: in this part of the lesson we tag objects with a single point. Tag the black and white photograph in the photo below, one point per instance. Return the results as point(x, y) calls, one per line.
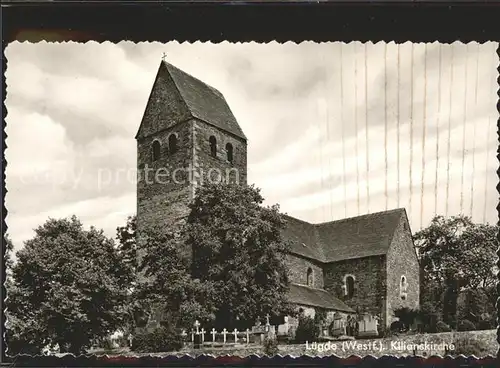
point(251, 199)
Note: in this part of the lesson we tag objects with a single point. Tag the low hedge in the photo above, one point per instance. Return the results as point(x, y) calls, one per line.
point(159, 340)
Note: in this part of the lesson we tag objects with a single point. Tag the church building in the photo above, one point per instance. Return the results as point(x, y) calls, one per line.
point(360, 265)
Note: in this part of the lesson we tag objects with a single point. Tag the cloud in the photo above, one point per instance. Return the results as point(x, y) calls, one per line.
point(106, 213)
point(74, 109)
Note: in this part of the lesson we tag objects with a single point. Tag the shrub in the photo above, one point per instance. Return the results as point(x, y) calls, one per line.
point(468, 346)
point(107, 344)
point(285, 339)
point(384, 331)
point(485, 325)
point(442, 327)
point(466, 325)
point(427, 317)
point(162, 339)
point(396, 326)
point(406, 316)
point(307, 330)
point(271, 347)
point(123, 341)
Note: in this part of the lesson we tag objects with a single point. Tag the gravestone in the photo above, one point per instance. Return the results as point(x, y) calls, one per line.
point(197, 336)
point(283, 329)
point(258, 333)
point(339, 326)
point(368, 326)
point(270, 330)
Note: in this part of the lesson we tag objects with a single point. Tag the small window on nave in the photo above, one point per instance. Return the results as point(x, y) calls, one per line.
point(172, 144)
point(229, 152)
point(403, 286)
point(156, 150)
point(349, 286)
point(213, 146)
point(310, 277)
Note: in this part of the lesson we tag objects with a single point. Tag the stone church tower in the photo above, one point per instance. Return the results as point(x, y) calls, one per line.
point(188, 135)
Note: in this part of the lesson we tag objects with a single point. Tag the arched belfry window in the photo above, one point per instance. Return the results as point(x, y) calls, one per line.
point(213, 146)
point(172, 144)
point(229, 152)
point(403, 286)
point(349, 284)
point(156, 150)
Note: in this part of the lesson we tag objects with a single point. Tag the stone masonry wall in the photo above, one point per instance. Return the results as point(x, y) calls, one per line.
point(218, 166)
point(297, 270)
point(165, 106)
point(402, 260)
point(163, 191)
point(369, 286)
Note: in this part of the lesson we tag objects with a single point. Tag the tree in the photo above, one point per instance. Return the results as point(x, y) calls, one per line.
point(237, 246)
point(476, 306)
point(307, 330)
point(166, 285)
point(9, 249)
point(455, 255)
point(127, 246)
point(69, 287)
point(128, 250)
point(406, 316)
point(225, 267)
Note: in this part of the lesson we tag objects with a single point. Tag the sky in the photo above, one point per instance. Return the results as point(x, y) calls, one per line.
point(334, 130)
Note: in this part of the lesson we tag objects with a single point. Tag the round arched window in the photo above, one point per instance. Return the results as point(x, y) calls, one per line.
point(229, 152)
point(403, 286)
point(310, 277)
point(349, 283)
point(156, 150)
point(172, 144)
point(213, 146)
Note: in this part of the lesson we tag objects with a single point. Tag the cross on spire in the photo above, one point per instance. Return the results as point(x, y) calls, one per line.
point(164, 56)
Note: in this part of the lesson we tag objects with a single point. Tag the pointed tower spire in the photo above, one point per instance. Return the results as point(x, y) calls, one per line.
point(177, 96)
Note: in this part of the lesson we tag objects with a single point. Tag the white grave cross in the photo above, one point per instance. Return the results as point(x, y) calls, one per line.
point(235, 335)
point(197, 326)
point(203, 335)
point(224, 331)
point(213, 334)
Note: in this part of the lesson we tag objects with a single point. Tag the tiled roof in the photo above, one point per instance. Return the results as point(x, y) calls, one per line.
point(304, 295)
point(356, 237)
point(204, 102)
point(303, 237)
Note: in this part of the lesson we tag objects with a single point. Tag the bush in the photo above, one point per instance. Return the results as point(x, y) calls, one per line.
point(22, 338)
point(162, 339)
point(397, 326)
point(442, 327)
point(107, 344)
point(466, 325)
point(122, 341)
point(307, 330)
point(428, 317)
point(384, 331)
point(486, 325)
point(271, 347)
point(467, 346)
point(406, 317)
point(17, 346)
